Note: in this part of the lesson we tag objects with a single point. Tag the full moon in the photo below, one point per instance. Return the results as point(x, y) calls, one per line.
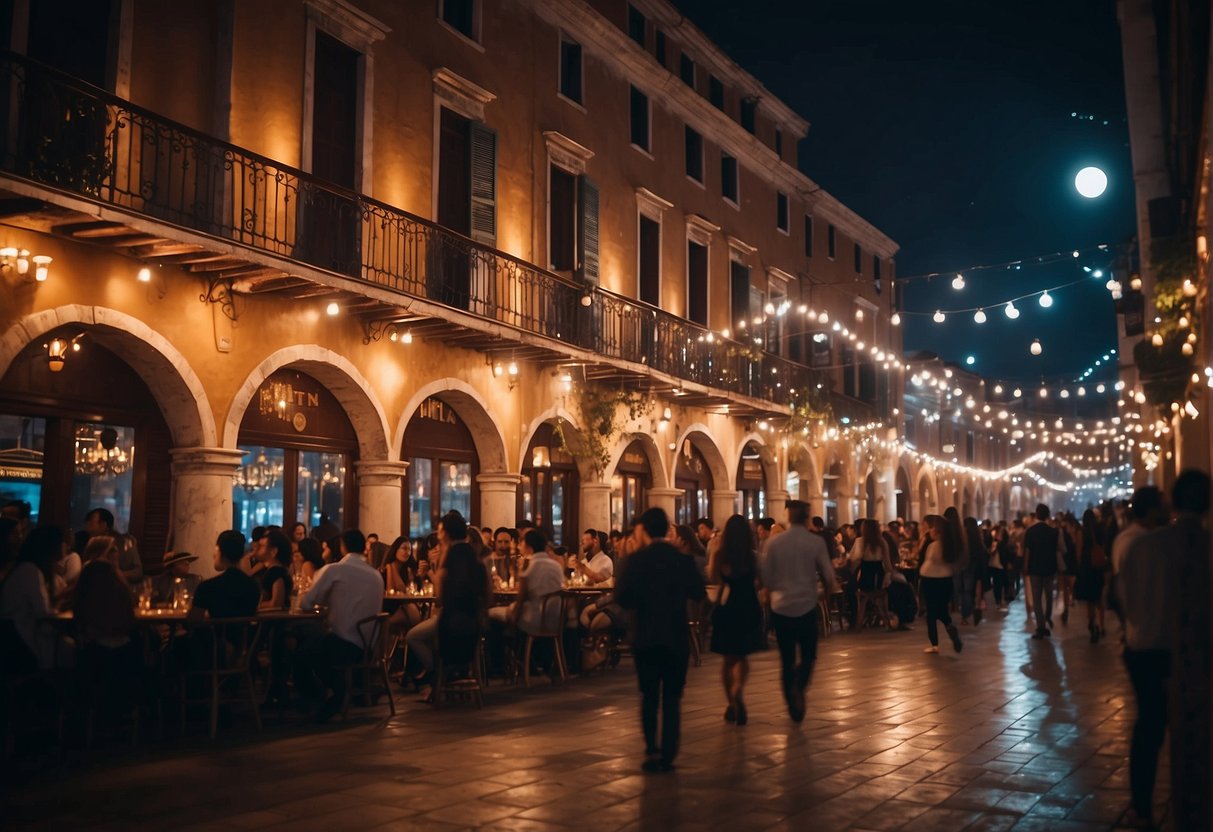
point(1091, 182)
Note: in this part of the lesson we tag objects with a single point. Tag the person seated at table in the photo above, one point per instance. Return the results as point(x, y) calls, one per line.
point(27, 643)
point(353, 591)
point(176, 569)
point(452, 531)
point(101, 521)
point(542, 577)
point(231, 593)
point(502, 559)
point(109, 659)
point(253, 562)
point(462, 592)
point(311, 560)
point(397, 572)
point(275, 579)
point(595, 564)
point(330, 550)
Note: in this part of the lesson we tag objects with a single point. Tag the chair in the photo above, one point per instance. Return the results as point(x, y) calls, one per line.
point(225, 648)
point(372, 665)
point(467, 686)
point(870, 592)
point(550, 626)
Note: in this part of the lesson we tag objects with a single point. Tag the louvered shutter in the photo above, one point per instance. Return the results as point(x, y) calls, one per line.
point(587, 231)
point(484, 184)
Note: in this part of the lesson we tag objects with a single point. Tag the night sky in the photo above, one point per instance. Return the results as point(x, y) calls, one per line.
point(950, 126)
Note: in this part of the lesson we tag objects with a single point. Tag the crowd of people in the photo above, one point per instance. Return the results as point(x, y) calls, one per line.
point(748, 578)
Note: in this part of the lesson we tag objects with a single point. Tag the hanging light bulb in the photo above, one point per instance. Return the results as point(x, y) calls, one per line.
point(332, 309)
point(1186, 349)
point(1036, 348)
point(1156, 339)
point(895, 319)
point(1183, 322)
point(938, 317)
point(958, 282)
point(1135, 283)
point(1044, 392)
point(1046, 300)
point(979, 317)
point(1010, 310)
point(1017, 393)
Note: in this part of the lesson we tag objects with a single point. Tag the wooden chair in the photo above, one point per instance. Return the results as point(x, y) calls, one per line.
point(465, 687)
point(224, 648)
point(373, 664)
point(550, 626)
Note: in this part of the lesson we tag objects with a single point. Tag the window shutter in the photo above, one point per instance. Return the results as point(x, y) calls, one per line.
point(587, 231)
point(484, 184)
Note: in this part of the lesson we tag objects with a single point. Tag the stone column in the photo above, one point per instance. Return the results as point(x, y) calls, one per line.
point(664, 498)
point(498, 500)
point(777, 502)
point(595, 509)
point(846, 506)
point(724, 506)
point(202, 501)
point(886, 493)
point(380, 484)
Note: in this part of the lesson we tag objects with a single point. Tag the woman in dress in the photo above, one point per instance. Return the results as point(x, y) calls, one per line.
point(940, 561)
point(737, 618)
point(275, 579)
point(869, 557)
point(1092, 566)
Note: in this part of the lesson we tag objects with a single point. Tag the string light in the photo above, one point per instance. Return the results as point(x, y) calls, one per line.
point(1036, 348)
point(938, 317)
point(1046, 300)
point(958, 282)
point(979, 316)
point(1011, 311)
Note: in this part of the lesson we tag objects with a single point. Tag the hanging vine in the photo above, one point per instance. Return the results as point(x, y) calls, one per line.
point(603, 414)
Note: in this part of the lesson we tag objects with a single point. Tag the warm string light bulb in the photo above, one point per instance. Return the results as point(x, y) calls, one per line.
point(895, 319)
point(958, 282)
point(938, 317)
point(1011, 310)
point(979, 317)
point(1046, 300)
point(1036, 348)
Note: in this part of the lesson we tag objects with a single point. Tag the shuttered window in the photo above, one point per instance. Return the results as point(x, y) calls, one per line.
point(588, 230)
point(484, 184)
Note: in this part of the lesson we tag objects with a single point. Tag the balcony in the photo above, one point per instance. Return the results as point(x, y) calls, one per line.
point(87, 166)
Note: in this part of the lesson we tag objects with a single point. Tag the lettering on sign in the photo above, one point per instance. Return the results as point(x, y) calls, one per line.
point(436, 410)
point(284, 401)
point(634, 458)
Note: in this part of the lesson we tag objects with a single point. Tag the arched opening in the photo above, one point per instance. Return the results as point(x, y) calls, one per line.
point(833, 482)
point(751, 483)
point(549, 493)
point(979, 505)
point(693, 477)
point(90, 435)
point(630, 484)
point(299, 447)
point(443, 466)
point(803, 481)
point(902, 492)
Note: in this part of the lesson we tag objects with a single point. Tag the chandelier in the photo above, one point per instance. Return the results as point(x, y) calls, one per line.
point(260, 474)
point(98, 453)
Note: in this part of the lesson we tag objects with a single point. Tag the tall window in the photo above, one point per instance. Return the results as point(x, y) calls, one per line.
point(858, 259)
point(659, 47)
point(562, 219)
point(686, 70)
point(808, 236)
point(876, 271)
point(649, 265)
point(830, 242)
point(740, 295)
point(460, 15)
point(570, 69)
point(728, 178)
point(640, 119)
point(716, 92)
point(636, 24)
point(697, 283)
point(694, 155)
point(781, 212)
point(778, 142)
point(749, 111)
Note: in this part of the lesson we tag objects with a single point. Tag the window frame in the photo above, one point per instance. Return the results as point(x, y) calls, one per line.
point(734, 200)
point(688, 131)
point(647, 148)
point(635, 14)
point(683, 61)
point(562, 39)
point(476, 39)
point(783, 208)
point(831, 242)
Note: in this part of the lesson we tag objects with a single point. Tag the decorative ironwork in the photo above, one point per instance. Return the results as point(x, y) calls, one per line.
point(75, 137)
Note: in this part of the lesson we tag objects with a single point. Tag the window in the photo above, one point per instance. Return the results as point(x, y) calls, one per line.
point(820, 354)
point(749, 111)
point(460, 15)
point(728, 178)
point(570, 69)
point(781, 212)
point(808, 236)
point(562, 219)
point(686, 70)
point(876, 271)
point(830, 247)
point(849, 386)
point(636, 23)
point(716, 92)
point(659, 47)
point(858, 259)
point(739, 295)
point(697, 283)
point(694, 154)
point(778, 142)
point(650, 261)
point(640, 119)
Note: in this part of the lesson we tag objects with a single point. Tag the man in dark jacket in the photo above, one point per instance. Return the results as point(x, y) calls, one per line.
point(654, 587)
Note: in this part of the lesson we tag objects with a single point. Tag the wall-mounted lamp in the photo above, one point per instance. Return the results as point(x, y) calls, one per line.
point(18, 259)
point(57, 350)
point(145, 275)
point(587, 298)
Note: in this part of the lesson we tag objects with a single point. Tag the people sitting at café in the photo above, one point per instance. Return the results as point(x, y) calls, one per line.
point(101, 521)
point(452, 532)
point(595, 564)
point(542, 576)
point(352, 591)
point(275, 579)
point(311, 559)
point(231, 593)
point(25, 599)
point(501, 562)
point(109, 659)
point(176, 573)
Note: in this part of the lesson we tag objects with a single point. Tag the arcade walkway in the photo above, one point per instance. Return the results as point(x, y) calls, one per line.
point(1010, 734)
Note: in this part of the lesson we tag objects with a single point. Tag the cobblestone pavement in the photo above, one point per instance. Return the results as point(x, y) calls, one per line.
point(1010, 734)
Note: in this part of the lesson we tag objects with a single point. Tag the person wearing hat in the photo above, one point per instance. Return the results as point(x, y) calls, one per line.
point(176, 568)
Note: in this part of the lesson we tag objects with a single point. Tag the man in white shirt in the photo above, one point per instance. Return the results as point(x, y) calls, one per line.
point(791, 565)
point(352, 590)
point(597, 565)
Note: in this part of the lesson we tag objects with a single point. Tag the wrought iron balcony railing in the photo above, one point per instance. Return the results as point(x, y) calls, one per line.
point(65, 134)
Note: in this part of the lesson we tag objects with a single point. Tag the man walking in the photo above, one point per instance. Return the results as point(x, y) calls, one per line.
point(790, 567)
point(655, 586)
point(1042, 551)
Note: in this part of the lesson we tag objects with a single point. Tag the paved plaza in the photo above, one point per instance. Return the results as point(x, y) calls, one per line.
point(1010, 734)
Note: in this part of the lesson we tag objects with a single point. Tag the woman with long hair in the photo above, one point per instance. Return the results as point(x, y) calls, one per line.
point(737, 618)
point(962, 591)
point(873, 566)
point(940, 560)
point(25, 597)
point(1092, 569)
point(275, 579)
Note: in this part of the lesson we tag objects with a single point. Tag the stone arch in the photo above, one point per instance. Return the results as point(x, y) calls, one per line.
point(473, 410)
point(340, 377)
point(770, 465)
point(657, 467)
point(901, 482)
point(699, 436)
point(584, 469)
point(926, 475)
point(806, 466)
point(177, 389)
